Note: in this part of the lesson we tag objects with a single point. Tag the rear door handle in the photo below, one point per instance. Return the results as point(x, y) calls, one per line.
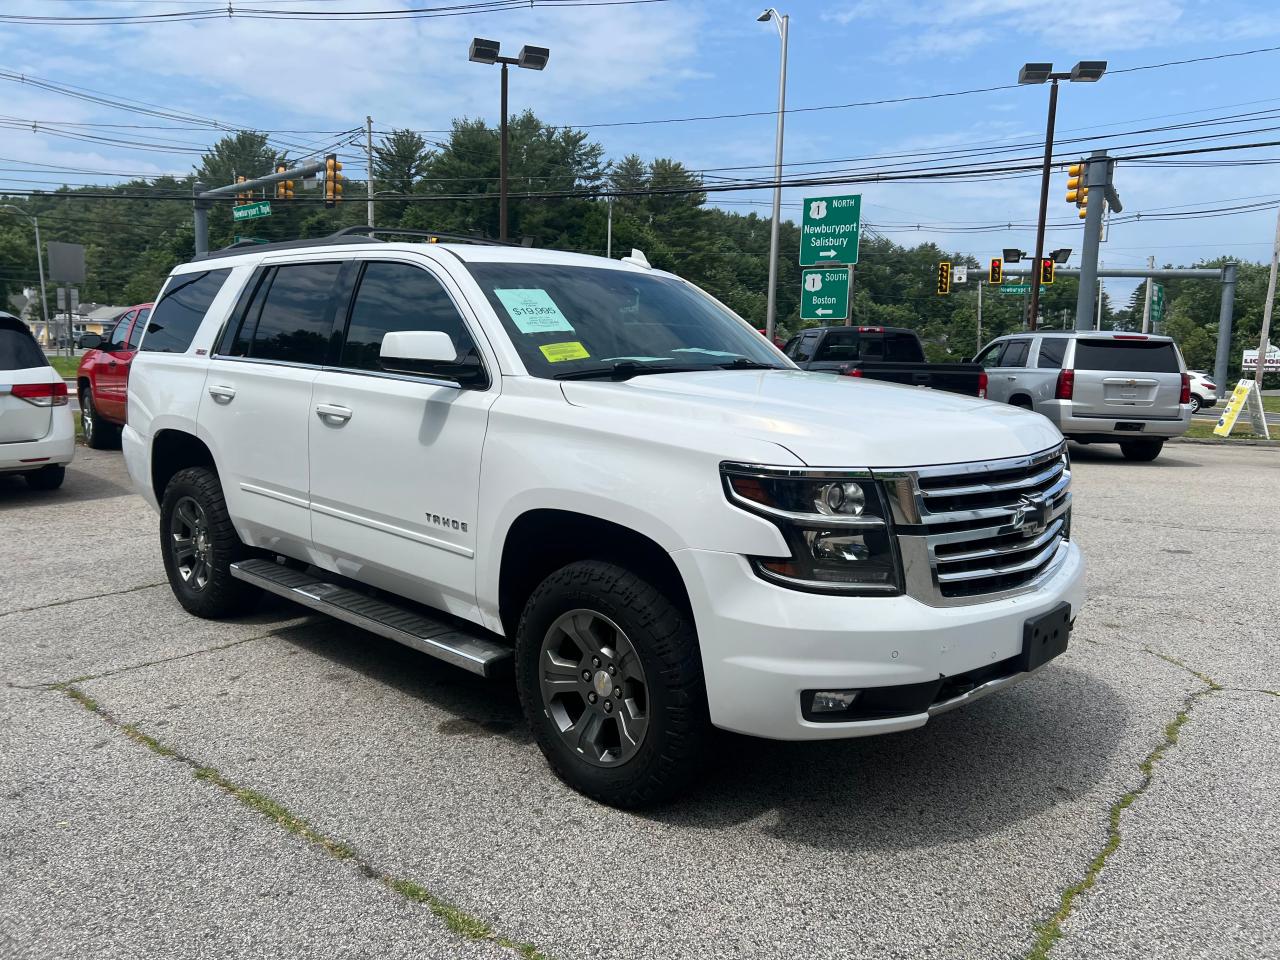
point(222, 394)
point(332, 413)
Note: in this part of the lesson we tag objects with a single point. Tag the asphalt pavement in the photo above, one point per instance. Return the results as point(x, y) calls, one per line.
point(283, 785)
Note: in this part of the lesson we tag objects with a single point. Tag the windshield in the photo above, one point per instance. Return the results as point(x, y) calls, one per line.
point(571, 321)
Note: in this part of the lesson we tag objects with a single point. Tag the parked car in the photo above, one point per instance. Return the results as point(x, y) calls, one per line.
point(894, 354)
point(37, 435)
point(102, 378)
point(1204, 392)
point(595, 473)
point(1127, 388)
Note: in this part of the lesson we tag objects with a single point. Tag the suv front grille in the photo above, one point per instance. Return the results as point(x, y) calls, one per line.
point(986, 528)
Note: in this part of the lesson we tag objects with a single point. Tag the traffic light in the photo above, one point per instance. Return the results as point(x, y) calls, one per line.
point(944, 277)
point(995, 275)
point(244, 196)
point(1077, 191)
point(284, 188)
point(332, 180)
point(1046, 270)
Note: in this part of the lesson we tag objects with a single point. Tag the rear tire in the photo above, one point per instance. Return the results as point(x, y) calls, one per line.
point(198, 543)
point(47, 478)
point(610, 678)
point(1196, 404)
point(1142, 451)
point(98, 434)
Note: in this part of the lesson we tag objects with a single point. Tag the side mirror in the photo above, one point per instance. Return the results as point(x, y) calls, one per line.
point(90, 341)
point(430, 353)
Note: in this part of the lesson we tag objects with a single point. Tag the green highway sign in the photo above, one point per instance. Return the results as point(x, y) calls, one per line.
point(824, 294)
point(251, 211)
point(1157, 303)
point(829, 232)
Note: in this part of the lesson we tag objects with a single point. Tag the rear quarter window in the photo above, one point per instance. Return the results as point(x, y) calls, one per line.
point(176, 318)
point(19, 350)
point(1127, 356)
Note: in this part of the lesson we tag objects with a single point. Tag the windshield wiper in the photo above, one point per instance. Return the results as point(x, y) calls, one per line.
point(625, 370)
point(744, 363)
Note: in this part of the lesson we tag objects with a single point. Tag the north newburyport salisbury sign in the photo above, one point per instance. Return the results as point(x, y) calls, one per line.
point(824, 294)
point(829, 231)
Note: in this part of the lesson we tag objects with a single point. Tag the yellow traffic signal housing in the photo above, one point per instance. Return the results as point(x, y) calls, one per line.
point(284, 188)
point(332, 180)
point(995, 275)
point(243, 196)
point(944, 277)
point(1046, 271)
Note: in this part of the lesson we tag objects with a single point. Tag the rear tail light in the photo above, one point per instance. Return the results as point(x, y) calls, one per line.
point(982, 385)
point(42, 394)
point(1066, 385)
point(855, 372)
point(1210, 386)
point(1185, 396)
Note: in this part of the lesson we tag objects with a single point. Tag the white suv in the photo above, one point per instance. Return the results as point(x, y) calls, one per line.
point(594, 473)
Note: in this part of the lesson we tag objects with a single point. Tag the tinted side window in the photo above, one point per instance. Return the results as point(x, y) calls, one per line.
point(1015, 353)
point(176, 318)
point(1052, 350)
point(398, 296)
point(115, 340)
point(790, 348)
point(839, 346)
point(990, 357)
point(297, 314)
point(136, 333)
point(902, 348)
point(804, 350)
point(19, 350)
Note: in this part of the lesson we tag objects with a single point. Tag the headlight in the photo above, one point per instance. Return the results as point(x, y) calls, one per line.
point(836, 524)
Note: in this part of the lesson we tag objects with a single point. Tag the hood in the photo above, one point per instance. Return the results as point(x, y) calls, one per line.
point(827, 420)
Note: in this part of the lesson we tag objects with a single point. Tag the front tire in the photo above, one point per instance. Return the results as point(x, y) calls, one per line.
point(199, 544)
point(610, 678)
point(47, 478)
point(1142, 451)
point(98, 434)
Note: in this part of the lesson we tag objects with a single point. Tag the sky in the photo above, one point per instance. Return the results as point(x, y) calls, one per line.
point(613, 65)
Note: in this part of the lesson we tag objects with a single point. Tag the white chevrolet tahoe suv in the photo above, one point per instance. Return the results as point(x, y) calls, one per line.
point(593, 475)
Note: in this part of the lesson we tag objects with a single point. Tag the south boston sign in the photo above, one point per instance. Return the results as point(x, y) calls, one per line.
point(829, 231)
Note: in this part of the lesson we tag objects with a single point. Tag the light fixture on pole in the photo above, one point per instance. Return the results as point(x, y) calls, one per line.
point(1061, 255)
point(530, 58)
point(44, 300)
point(782, 21)
point(1013, 255)
point(1086, 71)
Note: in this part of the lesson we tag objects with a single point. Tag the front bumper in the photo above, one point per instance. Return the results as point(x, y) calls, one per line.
point(763, 644)
point(1107, 428)
point(58, 446)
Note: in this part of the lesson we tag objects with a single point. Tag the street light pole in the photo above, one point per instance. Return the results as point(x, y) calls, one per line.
point(1044, 206)
point(531, 58)
point(44, 300)
point(771, 311)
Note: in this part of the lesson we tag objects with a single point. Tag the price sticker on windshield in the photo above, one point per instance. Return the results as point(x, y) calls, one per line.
point(534, 311)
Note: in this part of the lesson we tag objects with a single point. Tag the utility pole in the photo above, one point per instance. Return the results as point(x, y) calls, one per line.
point(502, 160)
point(771, 309)
point(368, 143)
point(1146, 307)
point(1098, 323)
point(1264, 339)
point(608, 236)
point(1044, 205)
point(979, 346)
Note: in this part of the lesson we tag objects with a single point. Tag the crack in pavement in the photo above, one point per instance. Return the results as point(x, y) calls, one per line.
point(1050, 931)
point(456, 920)
point(94, 596)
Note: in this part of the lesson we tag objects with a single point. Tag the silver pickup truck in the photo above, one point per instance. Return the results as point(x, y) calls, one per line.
point(1126, 388)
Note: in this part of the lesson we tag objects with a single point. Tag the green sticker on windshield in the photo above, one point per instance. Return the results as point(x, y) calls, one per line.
point(559, 352)
point(534, 311)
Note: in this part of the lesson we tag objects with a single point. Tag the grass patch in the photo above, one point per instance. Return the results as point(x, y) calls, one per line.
point(1203, 430)
point(66, 366)
point(1271, 404)
point(1050, 931)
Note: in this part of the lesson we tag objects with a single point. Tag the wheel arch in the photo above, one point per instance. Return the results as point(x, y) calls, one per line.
point(173, 450)
point(541, 541)
point(1022, 400)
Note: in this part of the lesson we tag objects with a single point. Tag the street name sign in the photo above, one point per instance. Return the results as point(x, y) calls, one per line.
point(829, 230)
point(1016, 288)
point(824, 294)
point(251, 211)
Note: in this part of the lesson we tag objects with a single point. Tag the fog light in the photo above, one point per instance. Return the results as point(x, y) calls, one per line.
point(833, 701)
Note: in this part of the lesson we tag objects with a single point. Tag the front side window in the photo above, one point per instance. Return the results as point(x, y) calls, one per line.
point(804, 349)
point(176, 318)
point(990, 357)
point(291, 318)
point(116, 339)
point(583, 322)
point(398, 296)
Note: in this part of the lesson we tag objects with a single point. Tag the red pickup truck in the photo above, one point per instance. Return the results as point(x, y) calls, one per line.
point(102, 379)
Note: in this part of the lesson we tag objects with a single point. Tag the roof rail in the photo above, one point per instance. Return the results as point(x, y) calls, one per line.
point(433, 235)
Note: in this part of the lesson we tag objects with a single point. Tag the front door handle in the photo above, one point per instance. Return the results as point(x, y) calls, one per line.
point(222, 394)
point(332, 413)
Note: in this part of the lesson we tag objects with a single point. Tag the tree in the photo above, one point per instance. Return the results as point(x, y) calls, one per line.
point(400, 161)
